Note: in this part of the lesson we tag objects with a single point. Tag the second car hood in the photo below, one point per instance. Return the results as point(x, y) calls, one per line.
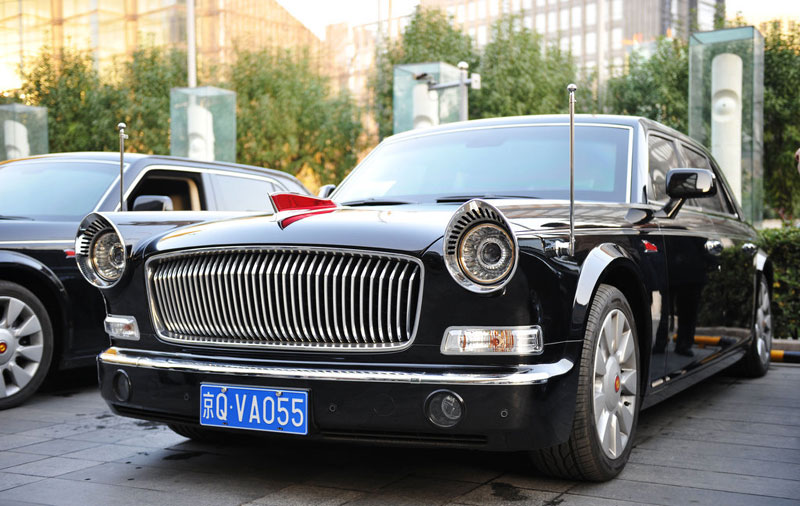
point(408, 228)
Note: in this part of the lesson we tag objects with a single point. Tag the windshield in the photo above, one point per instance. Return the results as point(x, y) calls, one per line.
point(52, 188)
point(529, 161)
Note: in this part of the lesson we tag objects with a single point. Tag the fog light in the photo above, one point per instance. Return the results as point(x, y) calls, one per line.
point(444, 408)
point(121, 386)
point(122, 327)
point(492, 340)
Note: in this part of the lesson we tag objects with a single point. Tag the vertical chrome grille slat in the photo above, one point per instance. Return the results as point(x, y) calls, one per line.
point(275, 297)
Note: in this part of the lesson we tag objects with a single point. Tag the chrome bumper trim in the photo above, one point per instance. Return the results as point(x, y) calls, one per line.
point(522, 375)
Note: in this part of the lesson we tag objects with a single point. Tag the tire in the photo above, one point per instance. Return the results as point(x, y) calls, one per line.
point(608, 394)
point(755, 363)
point(197, 432)
point(26, 344)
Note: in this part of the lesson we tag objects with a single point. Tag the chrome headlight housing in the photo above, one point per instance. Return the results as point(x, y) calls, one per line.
point(100, 251)
point(480, 250)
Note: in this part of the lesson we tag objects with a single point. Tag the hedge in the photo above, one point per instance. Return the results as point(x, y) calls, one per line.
point(783, 247)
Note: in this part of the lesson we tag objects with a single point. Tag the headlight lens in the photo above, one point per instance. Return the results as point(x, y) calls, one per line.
point(486, 253)
point(108, 256)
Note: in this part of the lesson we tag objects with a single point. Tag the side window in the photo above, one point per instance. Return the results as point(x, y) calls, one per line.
point(242, 193)
point(185, 189)
point(715, 203)
point(662, 158)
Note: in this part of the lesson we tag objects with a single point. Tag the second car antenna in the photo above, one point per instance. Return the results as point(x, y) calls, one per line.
point(122, 136)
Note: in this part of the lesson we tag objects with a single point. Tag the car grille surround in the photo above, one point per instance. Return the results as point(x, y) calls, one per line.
point(286, 297)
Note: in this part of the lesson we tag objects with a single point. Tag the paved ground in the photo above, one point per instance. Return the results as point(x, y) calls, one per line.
point(727, 441)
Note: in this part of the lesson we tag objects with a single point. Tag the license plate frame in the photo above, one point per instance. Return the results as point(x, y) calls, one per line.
point(266, 409)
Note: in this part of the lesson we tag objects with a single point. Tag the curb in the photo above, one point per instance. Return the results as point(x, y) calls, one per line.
point(789, 357)
point(786, 344)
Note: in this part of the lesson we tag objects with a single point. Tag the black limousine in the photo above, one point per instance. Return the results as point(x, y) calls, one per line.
point(50, 318)
point(445, 294)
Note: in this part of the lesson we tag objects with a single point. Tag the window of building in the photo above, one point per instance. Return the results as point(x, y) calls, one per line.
point(591, 14)
point(460, 13)
point(541, 3)
point(482, 35)
point(576, 45)
point(471, 11)
point(616, 38)
point(494, 7)
point(541, 23)
point(576, 17)
point(451, 11)
point(514, 5)
point(564, 19)
point(527, 4)
point(482, 9)
point(616, 10)
point(591, 43)
point(564, 44)
point(552, 22)
point(529, 22)
point(473, 33)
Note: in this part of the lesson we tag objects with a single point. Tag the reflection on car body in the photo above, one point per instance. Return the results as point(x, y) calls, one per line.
point(48, 314)
point(440, 307)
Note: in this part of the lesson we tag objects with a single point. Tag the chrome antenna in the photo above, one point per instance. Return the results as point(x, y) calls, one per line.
point(572, 88)
point(122, 136)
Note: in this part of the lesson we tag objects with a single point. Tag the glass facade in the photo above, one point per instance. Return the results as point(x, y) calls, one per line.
point(203, 123)
point(23, 130)
point(414, 106)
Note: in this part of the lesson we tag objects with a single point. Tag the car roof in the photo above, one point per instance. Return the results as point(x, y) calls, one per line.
point(135, 159)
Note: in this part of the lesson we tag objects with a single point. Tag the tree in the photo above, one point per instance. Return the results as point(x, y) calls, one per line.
point(656, 87)
point(781, 123)
point(521, 75)
point(429, 37)
point(81, 110)
point(287, 118)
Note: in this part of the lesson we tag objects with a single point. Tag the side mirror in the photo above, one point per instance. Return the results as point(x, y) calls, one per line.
point(325, 190)
point(683, 184)
point(152, 203)
point(691, 183)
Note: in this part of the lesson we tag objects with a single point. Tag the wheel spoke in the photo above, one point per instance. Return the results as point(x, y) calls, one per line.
point(603, 419)
point(625, 415)
point(599, 365)
point(3, 392)
point(13, 310)
point(612, 436)
point(599, 403)
point(627, 381)
point(32, 352)
point(21, 376)
point(607, 334)
point(625, 351)
point(31, 326)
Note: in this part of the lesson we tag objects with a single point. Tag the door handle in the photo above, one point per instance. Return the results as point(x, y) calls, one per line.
point(714, 247)
point(749, 248)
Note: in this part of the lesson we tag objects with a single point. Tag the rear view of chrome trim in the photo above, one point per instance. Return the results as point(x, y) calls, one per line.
point(521, 375)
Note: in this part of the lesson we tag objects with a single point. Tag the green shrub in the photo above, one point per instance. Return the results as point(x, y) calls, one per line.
point(783, 247)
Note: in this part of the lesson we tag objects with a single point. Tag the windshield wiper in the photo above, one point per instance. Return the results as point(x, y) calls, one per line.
point(376, 202)
point(4, 217)
point(464, 198)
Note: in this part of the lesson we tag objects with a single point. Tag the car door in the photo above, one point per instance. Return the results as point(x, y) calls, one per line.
point(687, 243)
point(730, 286)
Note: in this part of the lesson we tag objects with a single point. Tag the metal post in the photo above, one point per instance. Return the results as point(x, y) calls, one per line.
point(572, 89)
point(122, 136)
point(463, 93)
point(191, 45)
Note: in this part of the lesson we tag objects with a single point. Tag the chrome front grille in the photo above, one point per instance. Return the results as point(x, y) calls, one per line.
point(286, 297)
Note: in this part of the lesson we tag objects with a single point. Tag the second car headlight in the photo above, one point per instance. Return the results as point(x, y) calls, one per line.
point(108, 256)
point(486, 253)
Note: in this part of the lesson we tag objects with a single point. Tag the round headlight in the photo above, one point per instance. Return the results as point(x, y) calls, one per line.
point(108, 256)
point(486, 253)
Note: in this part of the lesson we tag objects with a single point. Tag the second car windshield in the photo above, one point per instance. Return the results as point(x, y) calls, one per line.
point(50, 188)
point(516, 161)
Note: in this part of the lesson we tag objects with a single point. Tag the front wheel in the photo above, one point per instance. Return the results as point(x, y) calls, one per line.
point(26, 344)
point(607, 404)
point(755, 363)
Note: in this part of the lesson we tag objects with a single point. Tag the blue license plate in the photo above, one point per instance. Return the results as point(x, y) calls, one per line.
point(254, 408)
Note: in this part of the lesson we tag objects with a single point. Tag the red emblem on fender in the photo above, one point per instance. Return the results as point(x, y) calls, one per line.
point(616, 384)
point(649, 247)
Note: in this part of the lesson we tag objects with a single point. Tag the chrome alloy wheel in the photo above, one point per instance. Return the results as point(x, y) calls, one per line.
point(763, 331)
point(615, 383)
point(21, 345)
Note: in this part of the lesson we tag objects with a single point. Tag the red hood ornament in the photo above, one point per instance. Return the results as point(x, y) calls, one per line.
point(302, 205)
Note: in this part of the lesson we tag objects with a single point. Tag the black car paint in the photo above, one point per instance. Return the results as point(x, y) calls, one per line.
point(39, 254)
point(625, 244)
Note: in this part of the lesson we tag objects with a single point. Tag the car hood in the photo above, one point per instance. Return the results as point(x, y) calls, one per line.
point(28, 231)
point(408, 228)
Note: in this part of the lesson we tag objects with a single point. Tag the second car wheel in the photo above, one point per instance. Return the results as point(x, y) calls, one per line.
point(26, 344)
point(607, 404)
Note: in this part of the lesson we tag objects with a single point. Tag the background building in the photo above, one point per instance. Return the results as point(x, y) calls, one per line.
point(110, 28)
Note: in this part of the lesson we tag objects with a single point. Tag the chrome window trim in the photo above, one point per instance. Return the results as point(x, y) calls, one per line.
point(521, 375)
point(41, 241)
point(374, 347)
point(495, 127)
point(184, 168)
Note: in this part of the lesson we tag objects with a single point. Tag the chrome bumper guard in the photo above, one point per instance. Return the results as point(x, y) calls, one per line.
point(520, 376)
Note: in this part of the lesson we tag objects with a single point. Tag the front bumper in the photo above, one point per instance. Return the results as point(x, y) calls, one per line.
point(507, 408)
